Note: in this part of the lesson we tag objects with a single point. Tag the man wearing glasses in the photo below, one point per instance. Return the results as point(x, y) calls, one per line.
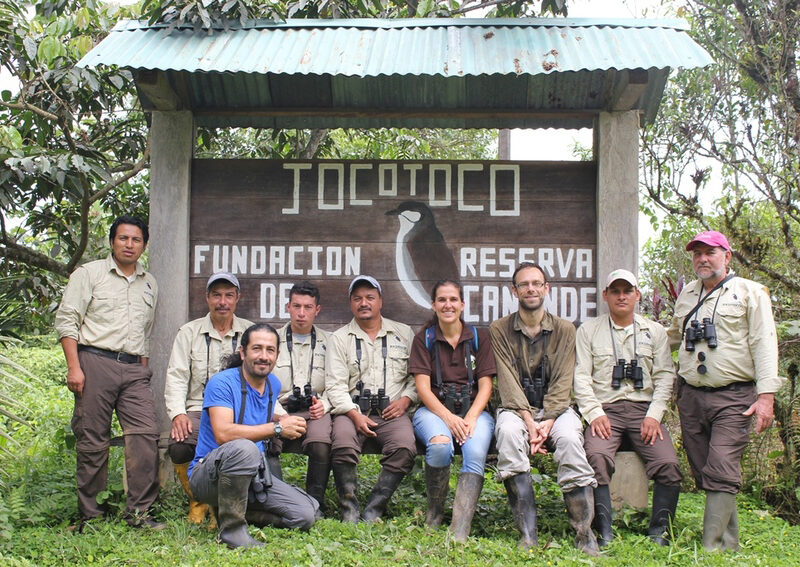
point(535, 355)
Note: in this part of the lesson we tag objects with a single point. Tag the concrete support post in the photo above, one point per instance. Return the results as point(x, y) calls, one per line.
point(172, 142)
point(616, 151)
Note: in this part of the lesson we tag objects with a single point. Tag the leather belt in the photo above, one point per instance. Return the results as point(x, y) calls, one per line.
point(123, 357)
point(731, 386)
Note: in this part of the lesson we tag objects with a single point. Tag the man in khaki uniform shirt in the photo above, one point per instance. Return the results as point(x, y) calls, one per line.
point(728, 366)
point(104, 323)
point(301, 370)
point(629, 405)
point(197, 354)
point(532, 420)
point(366, 358)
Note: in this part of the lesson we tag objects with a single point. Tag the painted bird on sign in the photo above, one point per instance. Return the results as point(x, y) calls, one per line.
point(421, 254)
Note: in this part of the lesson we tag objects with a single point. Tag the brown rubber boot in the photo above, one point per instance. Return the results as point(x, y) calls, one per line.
point(523, 506)
point(580, 509)
point(464, 505)
point(437, 485)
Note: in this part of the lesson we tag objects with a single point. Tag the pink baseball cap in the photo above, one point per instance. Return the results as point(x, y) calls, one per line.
point(710, 237)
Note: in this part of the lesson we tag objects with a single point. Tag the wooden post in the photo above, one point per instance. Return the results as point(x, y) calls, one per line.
point(172, 144)
point(616, 151)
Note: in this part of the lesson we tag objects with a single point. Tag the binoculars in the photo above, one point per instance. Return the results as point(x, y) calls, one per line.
point(260, 483)
point(697, 331)
point(456, 399)
point(627, 371)
point(534, 389)
point(298, 401)
point(367, 401)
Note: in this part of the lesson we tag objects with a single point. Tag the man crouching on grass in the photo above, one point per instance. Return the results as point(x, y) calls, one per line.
point(229, 469)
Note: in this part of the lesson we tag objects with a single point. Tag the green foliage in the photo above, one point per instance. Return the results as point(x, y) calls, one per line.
point(207, 14)
point(71, 145)
point(723, 152)
point(402, 143)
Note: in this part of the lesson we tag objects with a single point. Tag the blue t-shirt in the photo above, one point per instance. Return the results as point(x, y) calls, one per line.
point(224, 389)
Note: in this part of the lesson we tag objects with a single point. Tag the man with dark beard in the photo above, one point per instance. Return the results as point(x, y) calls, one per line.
point(229, 469)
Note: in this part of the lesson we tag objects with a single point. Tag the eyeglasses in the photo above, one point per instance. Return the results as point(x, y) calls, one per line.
point(533, 285)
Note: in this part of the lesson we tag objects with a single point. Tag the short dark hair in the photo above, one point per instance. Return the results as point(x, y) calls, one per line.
point(305, 287)
point(524, 266)
point(234, 359)
point(128, 219)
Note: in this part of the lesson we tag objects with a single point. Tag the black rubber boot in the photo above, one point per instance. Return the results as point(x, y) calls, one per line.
point(381, 493)
point(319, 470)
point(464, 505)
point(261, 518)
point(274, 464)
point(437, 485)
point(231, 512)
point(523, 507)
point(346, 480)
point(580, 509)
point(602, 515)
point(665, 502)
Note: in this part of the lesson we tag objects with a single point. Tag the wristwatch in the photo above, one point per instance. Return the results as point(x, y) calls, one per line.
point(278, 429)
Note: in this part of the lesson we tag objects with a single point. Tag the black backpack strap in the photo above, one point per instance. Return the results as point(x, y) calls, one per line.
point(244, 396)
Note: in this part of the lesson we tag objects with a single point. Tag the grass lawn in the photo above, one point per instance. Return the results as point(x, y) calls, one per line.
point(37, 505)
point(402, 539)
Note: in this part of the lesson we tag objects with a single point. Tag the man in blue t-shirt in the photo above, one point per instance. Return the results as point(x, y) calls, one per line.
point(232, 476)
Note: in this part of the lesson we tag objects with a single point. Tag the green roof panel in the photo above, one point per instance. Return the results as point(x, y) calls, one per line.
point(485, 73)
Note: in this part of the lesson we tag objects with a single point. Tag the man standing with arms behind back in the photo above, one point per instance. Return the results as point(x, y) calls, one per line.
point(104, 323)
point(728, 366)
point(197, 354)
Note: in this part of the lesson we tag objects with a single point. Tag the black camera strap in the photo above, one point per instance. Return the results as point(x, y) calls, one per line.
point(243, 382)
point(702, 299)
point(614, 343)
point(290, 348)
point(234, 344)
point(384, 353)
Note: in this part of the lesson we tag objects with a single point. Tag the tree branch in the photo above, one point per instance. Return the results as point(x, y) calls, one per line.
point(25, 255)
point(318, 136)
point(27, 106)
point(139, 166)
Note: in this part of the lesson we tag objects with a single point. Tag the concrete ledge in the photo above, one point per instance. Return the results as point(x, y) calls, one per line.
point(629, 485)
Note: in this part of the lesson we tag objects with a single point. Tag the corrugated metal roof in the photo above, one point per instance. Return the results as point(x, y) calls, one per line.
point(416, 72)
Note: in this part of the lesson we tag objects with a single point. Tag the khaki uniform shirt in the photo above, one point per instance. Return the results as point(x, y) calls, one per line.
point(508, 337)
point(344, 371)
point(102, 309)
point(197, 354)
point(594, 355)
point(748, 342)
point(298, 363)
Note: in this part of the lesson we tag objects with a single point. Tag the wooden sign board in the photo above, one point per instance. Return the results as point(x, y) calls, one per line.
point(408, 224)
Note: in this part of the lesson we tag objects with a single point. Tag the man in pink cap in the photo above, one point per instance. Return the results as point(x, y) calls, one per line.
point(728, 368)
